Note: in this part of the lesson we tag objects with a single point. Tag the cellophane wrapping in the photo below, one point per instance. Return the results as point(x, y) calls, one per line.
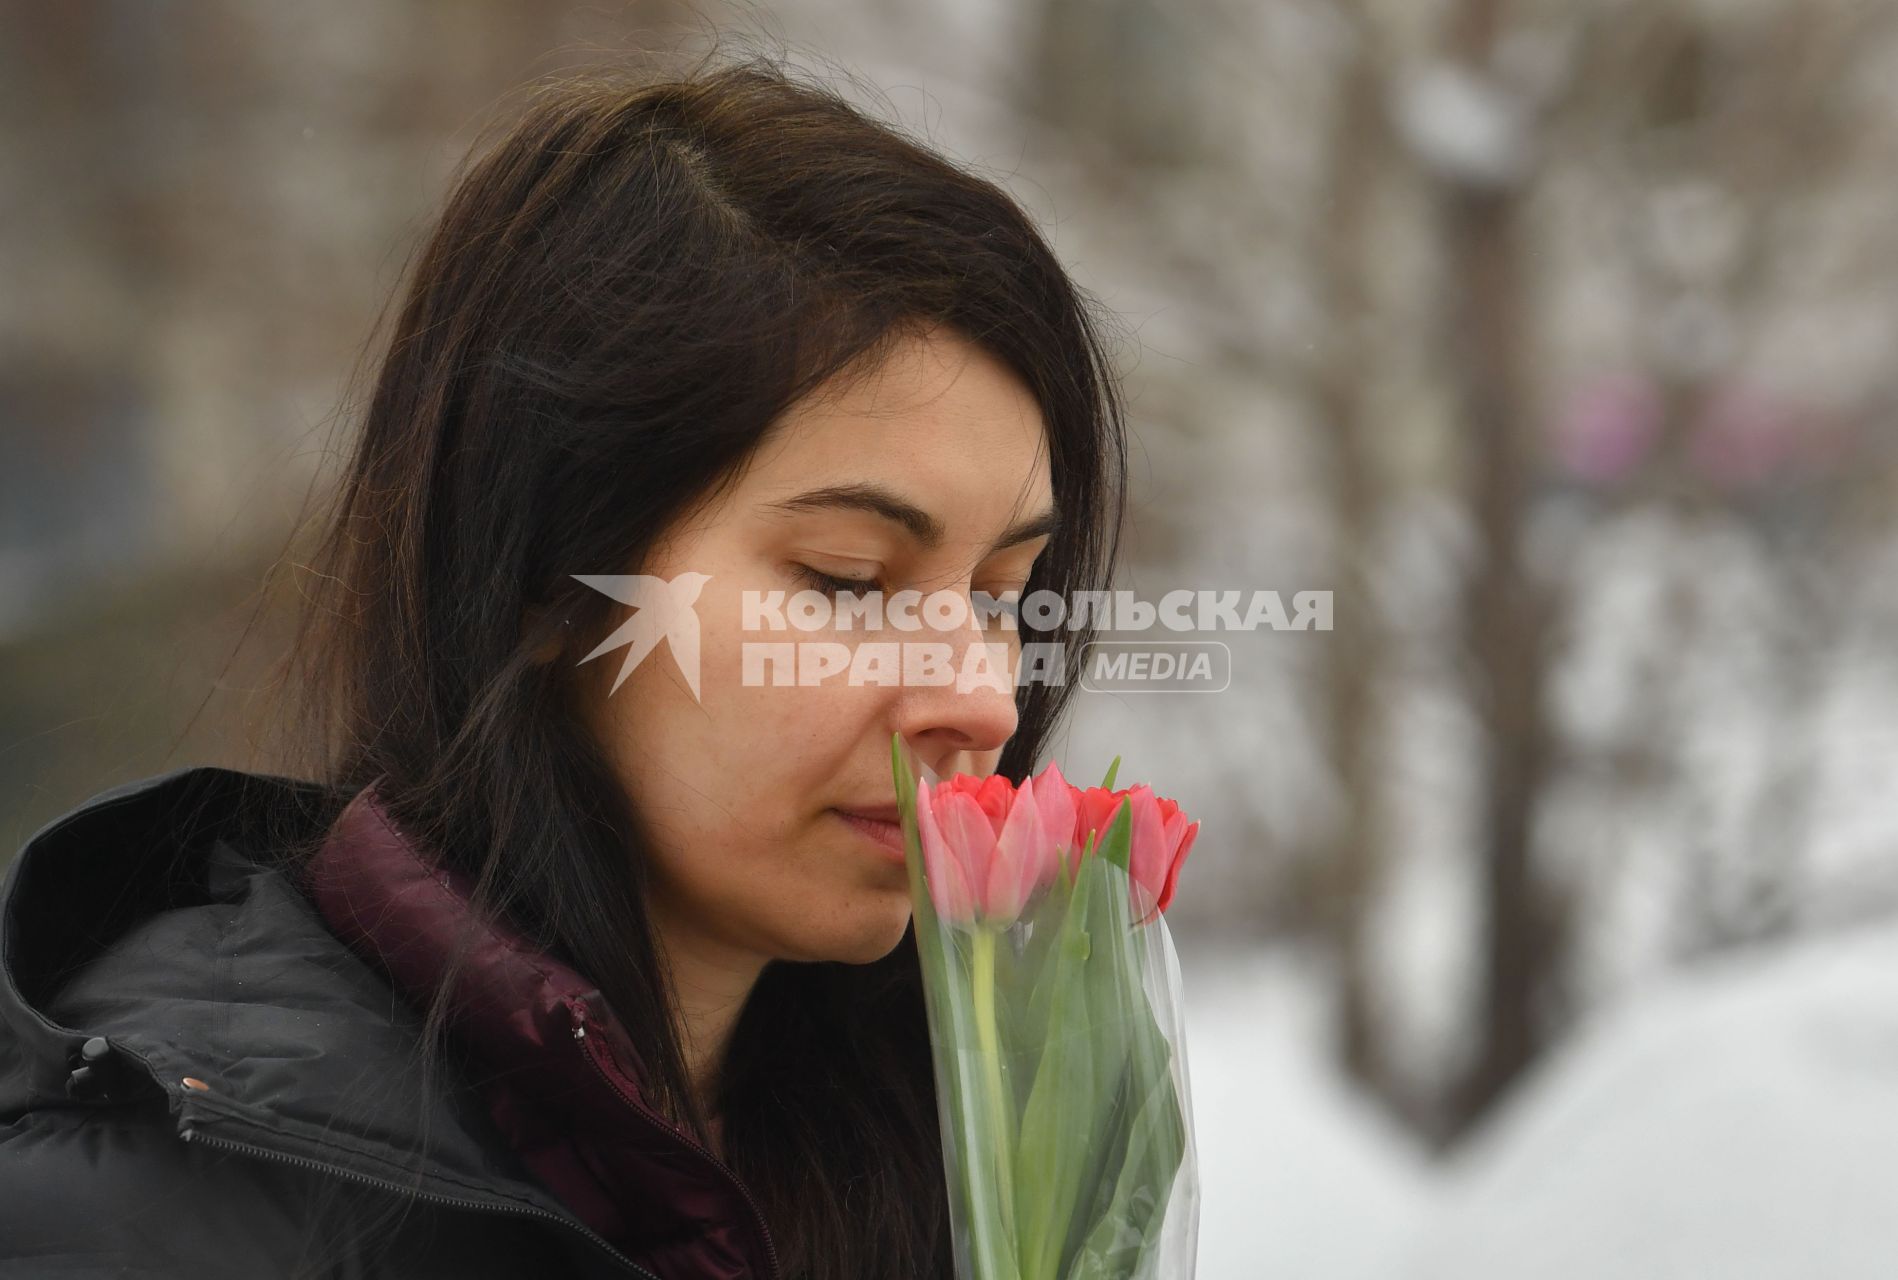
point(1060, 1057)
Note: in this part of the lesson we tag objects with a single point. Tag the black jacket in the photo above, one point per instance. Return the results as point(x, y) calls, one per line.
point(148, 923)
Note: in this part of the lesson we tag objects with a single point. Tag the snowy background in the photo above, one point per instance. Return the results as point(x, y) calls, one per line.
point(1734, 1121)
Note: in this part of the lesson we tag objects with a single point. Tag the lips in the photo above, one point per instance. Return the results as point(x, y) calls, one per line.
point(873, 812)
point(887, 832)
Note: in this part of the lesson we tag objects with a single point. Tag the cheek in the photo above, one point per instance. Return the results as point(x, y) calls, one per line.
point(741, 849)
point(731, 790)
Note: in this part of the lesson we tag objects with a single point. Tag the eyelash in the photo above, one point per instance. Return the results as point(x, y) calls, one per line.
point(831, 585)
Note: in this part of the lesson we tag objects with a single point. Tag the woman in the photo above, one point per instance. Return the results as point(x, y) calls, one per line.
point(559, 967)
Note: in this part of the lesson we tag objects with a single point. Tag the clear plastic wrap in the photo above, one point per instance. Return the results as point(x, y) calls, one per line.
point(1058, 1033)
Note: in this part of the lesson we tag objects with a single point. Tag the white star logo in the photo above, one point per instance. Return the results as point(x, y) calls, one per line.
point(662, 610)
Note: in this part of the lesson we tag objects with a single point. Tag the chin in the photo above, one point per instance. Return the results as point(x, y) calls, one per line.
point(863, 937)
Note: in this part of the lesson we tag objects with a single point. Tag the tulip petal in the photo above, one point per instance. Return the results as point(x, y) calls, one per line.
point(994, 794)
point(949, 887)
point(1148, 853)
point(1179, 857)
point(1095, 810)
point(1055, 801)
point(1021, 851)
point(967, 828)
point(970, 840)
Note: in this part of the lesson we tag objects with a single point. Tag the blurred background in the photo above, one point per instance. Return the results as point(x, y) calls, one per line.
point(1545, 912)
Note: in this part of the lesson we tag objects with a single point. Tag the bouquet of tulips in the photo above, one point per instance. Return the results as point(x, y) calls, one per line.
point(1054, 1005)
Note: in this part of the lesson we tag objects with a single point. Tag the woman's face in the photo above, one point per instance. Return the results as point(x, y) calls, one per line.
point(739, 789)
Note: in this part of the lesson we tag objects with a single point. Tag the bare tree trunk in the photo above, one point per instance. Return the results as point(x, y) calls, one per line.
point(1350, 868)
point(1506, 617)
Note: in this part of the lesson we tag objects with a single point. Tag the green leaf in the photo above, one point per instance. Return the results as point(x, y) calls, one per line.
point(1126, 1205)
point(1126, 1231)
point(1107, 783)
point(1055, 1152)
point(1109, 1002)
point(1032, 972)
point(1117, 840)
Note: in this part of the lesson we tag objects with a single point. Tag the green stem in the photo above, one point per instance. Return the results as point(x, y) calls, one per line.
point(988, 1041)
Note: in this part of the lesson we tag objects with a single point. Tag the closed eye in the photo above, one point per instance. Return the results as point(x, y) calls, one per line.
point(830, 584)
point(1004, 605)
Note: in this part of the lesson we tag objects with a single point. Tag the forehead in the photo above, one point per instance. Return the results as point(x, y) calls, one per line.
point(941, 420)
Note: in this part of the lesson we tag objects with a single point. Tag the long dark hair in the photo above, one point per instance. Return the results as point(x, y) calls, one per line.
point(621, 295)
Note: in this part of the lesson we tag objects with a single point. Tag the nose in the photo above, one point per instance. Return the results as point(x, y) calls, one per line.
point(974, 712)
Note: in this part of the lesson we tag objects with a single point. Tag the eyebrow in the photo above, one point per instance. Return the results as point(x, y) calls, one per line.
point(918, 523)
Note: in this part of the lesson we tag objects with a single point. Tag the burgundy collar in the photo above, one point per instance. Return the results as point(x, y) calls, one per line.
point(560, 1076)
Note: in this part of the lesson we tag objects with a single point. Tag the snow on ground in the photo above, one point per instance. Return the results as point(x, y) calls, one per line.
point(1739, 1121)
point(1299, 1178)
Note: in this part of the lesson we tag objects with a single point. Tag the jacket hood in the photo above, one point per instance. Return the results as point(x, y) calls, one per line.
point(156, 916)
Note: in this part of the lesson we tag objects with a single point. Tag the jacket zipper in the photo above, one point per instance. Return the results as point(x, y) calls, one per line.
point(577, 1011)
point(198, 1137)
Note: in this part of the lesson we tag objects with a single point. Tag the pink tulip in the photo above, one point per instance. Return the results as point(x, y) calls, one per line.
point(1161, 838)
point(987, 846)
